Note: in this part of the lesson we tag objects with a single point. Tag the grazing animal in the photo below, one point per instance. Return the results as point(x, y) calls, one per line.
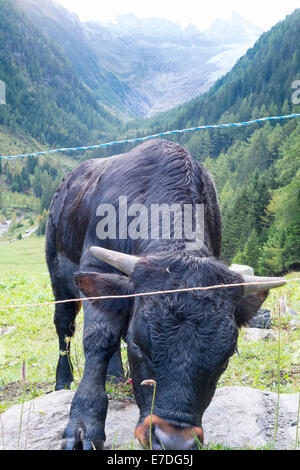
point(181, 340)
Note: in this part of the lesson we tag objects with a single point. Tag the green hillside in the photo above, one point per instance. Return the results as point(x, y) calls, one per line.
point(27, 184)
point(66, 30)
point(44, 96)
point(46, 106)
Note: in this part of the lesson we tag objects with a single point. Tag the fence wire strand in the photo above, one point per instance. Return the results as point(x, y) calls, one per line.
point(154, 136)
point(140, 294)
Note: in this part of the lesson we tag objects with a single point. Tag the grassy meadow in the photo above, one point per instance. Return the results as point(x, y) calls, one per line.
point(28, 339)
point(25, 256)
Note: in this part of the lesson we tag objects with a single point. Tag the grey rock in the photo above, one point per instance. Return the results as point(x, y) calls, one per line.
point(42, 422)
point(237, 417)
point(144, 65)
point(245, 417)
point(294, 324)
point(291, 311)
point(256, 334)
point(242, 269)
point(262, 319)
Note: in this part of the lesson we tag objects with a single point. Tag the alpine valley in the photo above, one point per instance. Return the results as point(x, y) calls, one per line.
point(70, 83)
point(143, 66)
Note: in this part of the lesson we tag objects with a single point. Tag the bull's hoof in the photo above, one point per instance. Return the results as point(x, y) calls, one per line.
point(79, 443)
point(63, 386)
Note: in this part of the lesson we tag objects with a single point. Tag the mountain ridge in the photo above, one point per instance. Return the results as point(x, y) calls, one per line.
point(44, 96)
point(228, 30)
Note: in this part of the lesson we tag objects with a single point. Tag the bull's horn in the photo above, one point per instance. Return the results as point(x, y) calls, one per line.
point(121, 261)
point(261, 283)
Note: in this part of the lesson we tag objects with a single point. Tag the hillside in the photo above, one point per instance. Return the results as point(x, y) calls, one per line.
point(47, 105)
point(66, 30)
point(44, 96)
point(143, 66)
point(27, 184)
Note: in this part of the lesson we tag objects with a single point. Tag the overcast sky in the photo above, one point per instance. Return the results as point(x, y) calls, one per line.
point(263, 13)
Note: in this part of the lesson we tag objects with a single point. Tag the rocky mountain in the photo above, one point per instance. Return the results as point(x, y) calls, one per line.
point(233, 30)
point(142, 66)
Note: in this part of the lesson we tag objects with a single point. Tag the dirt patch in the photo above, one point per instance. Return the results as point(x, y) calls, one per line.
point(16, 390)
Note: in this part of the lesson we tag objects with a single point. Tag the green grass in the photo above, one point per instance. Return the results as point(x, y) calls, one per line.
point(25, 256)
point(24, 279)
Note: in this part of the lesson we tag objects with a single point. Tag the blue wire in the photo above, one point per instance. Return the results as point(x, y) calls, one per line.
point(154, 136)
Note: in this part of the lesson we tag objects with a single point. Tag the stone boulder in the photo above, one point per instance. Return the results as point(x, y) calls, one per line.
point(242, 269)
point(242, 417)
point(237, 417)
point(262, 319)
point(42, 422)
point(257, 334)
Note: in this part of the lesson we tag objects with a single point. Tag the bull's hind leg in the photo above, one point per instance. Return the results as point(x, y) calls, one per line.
point(115, 371)
point(64, 320)
point(61, 272)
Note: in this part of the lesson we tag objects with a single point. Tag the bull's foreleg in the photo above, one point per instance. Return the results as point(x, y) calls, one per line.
point(101, 340)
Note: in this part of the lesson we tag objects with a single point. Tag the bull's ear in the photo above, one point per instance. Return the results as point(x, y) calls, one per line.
point(93, 284)
point(248, 306)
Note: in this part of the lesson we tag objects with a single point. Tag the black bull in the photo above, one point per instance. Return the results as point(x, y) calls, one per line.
point(183, 341)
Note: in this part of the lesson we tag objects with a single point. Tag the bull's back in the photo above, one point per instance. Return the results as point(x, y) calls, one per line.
point(157, 171)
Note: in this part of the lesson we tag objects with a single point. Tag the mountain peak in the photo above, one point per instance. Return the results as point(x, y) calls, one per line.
point(131, 25)
point(232, 30)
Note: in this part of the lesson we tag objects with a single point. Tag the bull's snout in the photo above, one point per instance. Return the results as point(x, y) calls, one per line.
point(166, 436)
